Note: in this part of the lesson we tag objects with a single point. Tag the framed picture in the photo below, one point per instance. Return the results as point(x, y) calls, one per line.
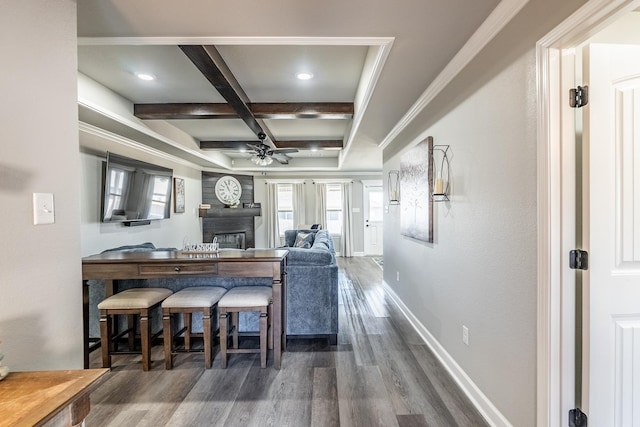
point(178, 195)
point(416, 187)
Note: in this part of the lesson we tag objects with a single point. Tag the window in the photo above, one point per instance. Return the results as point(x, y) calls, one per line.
point(334, 208)
point(285, 208)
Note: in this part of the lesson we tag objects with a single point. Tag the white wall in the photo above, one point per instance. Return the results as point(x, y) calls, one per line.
point(481, 271)
point(40, 278)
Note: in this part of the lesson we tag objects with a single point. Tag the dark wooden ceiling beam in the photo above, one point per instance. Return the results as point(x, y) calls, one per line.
point(172, 111)
point(320, 144)
point(209, 62)
point(266, 110)
point(324, 144)
point(226, 145)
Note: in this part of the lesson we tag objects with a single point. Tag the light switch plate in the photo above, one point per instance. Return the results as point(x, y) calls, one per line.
point(43, 209)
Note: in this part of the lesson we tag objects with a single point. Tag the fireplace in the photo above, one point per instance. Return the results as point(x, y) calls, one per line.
point(234, 240)
point(234, 227)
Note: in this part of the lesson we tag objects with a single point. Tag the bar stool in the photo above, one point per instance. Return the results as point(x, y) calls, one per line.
point(239, 299)
point(131, 302)
point(186, 302)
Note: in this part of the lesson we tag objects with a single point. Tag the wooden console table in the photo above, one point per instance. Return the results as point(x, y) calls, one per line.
point(110, 266)
point(47, 398)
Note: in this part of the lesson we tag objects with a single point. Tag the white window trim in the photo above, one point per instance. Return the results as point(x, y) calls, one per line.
point(284, 181)
point(332, 181)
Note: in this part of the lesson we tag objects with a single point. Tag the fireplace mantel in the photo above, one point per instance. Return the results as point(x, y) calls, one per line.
point(228, 212)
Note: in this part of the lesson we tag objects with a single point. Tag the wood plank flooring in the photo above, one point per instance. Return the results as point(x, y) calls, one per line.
point(379, 374)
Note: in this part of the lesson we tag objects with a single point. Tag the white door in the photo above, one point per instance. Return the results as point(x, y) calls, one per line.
point(373, 208)
point(611, 223)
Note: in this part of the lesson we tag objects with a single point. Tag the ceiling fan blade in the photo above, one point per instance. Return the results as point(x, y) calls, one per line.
point(282, 158)
point(284, 150)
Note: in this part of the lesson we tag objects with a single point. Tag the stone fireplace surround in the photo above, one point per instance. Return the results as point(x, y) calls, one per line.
point(219, 220)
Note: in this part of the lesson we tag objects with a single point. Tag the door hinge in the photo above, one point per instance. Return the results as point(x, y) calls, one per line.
point(577, 418)
point(578, 260)
point(579, 97)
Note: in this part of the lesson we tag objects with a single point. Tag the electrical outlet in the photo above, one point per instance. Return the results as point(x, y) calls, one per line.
point(465, 335)
point(397, 276)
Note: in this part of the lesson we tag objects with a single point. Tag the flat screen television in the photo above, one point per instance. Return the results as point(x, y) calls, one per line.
point(135, 192)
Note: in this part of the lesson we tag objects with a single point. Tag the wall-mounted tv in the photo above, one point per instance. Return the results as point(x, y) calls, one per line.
point(135, 192)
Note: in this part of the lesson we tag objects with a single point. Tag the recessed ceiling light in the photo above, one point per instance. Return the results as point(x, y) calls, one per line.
point(304, 75)
point(145, 76)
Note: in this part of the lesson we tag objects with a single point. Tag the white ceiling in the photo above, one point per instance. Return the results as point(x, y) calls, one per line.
point(380, 55)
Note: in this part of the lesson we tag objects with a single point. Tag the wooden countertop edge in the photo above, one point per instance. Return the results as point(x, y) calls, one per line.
point(82, 382)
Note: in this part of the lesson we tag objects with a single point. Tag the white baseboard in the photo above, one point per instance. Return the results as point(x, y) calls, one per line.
point(490, 413)
point(358, 254)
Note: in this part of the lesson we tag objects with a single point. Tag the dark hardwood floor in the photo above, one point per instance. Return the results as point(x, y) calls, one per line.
point(379, 374)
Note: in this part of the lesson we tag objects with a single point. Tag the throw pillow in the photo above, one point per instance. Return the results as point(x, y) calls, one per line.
point(304, 240)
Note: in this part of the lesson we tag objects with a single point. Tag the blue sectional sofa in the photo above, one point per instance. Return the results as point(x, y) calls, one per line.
point(311, 299)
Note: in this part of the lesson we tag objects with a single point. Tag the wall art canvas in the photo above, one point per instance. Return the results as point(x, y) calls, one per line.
point(178, 195)
point(416, 186)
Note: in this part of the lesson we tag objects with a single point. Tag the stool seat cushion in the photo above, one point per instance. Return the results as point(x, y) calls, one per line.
point(135, 298)
point(197, 296)
point(246, 296)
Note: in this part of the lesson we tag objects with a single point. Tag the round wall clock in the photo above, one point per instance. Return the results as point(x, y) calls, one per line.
point(228, 190)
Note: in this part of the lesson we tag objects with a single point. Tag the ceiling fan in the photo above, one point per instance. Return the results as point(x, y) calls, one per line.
point(264, 154)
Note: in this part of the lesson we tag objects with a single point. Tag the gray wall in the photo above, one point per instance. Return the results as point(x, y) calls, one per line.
point(40, 278)
point(481, 269)
point(172, 232)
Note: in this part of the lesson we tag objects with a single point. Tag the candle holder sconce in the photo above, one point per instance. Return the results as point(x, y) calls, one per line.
point(393, 187)
point(441, 174)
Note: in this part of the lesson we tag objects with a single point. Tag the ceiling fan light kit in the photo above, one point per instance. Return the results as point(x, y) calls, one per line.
point(262, 161)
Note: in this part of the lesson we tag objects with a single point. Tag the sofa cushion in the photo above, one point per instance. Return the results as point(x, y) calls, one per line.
point(290, 236)
point(321, 242)
point(148, 246)
point(300, 256)
point(304, 240)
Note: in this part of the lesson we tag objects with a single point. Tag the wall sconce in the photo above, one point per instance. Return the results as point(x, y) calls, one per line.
point(441, 174)
point(393, 187)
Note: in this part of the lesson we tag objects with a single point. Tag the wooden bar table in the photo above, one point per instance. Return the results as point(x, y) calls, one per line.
point(115, 265)
point(47, 398)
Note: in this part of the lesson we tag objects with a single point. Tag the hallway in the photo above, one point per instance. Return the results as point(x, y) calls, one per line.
point(379, 374)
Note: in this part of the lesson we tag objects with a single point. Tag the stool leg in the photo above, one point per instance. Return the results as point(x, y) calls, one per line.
point(206, 336)
point(145, 332)
point(263, 339)
point(187, 331)
point(223, 338)
point(235, 323)
point(131, 324)
point(270, 324)
point(105, 339)
point(167, 333)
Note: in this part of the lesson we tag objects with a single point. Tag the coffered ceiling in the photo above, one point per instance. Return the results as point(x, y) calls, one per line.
point(225, 72)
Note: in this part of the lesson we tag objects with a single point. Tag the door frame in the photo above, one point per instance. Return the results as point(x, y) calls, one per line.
point(556, 208)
